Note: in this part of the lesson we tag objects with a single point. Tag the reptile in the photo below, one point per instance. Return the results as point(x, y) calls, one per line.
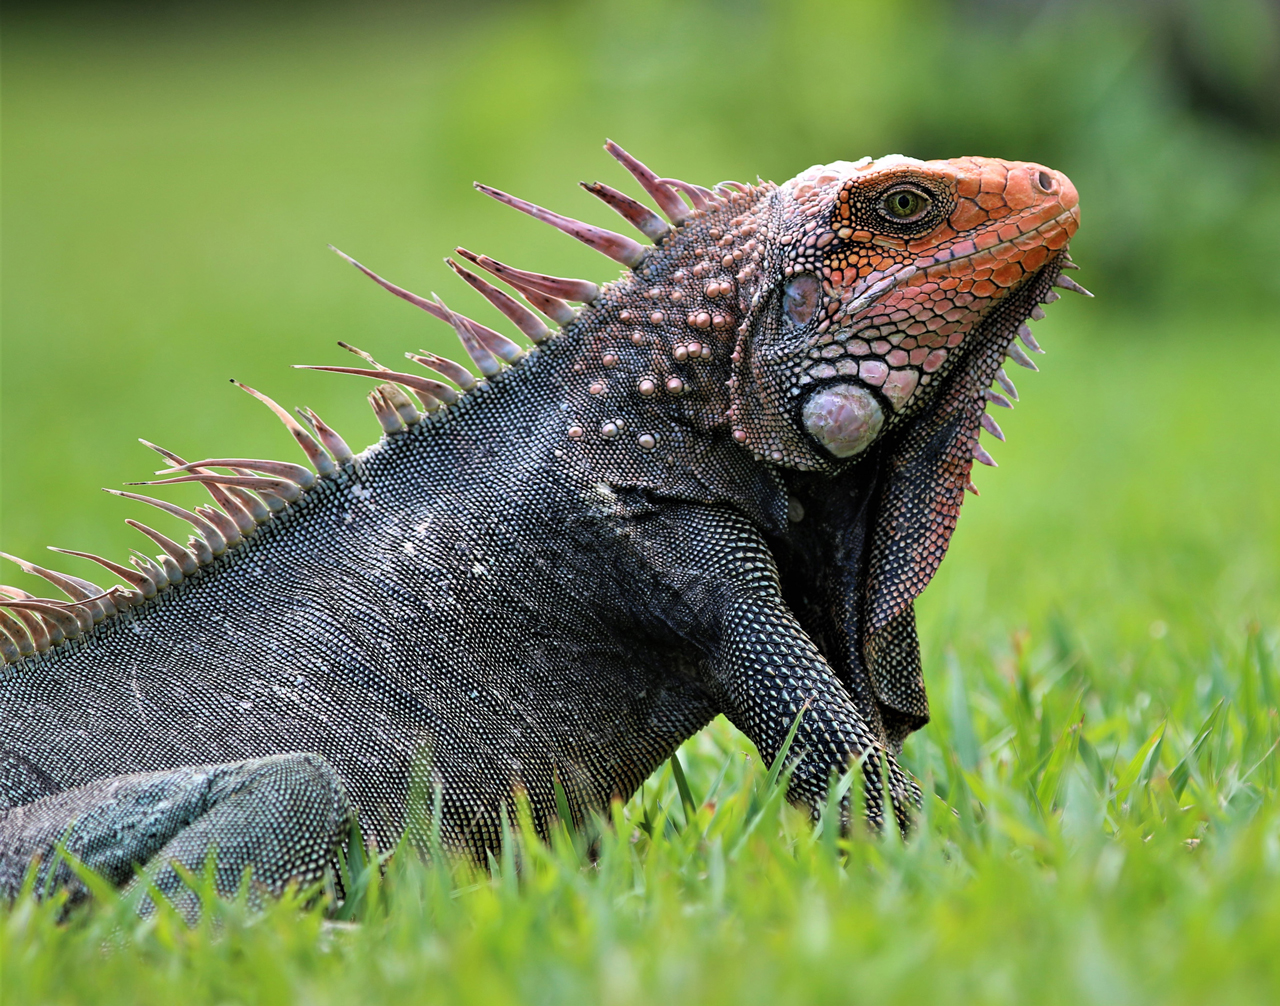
point(713, 485)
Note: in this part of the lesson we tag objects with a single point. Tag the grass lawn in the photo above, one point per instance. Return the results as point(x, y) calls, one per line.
point(1101, 645)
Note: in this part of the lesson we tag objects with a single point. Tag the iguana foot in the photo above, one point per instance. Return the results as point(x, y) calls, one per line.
point(280, 818)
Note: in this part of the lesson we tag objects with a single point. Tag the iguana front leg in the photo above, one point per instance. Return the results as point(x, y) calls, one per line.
point(770, 672)
point(723, 594)
point(282, 818)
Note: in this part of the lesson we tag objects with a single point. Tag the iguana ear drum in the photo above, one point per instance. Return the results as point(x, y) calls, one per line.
point(844, 418)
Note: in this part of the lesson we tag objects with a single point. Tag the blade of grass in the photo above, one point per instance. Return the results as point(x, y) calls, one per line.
point(686, 794)
point(1182, 771)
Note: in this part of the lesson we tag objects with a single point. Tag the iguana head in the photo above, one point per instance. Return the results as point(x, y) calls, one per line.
point(872, 280)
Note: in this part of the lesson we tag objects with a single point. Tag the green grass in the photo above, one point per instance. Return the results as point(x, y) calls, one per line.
point(169, 185)
point(1055, 862)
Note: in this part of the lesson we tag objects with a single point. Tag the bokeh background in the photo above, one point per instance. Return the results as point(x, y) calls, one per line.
point(173, 172)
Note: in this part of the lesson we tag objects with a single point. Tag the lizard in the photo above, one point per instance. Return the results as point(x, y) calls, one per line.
point(715, 484)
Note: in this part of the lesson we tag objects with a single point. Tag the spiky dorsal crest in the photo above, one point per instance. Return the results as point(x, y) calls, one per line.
point(250, 492)
point(683, 309)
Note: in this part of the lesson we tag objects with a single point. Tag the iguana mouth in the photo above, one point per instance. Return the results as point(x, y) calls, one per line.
point(897, 276)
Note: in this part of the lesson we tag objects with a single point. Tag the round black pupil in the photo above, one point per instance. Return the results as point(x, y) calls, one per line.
point(905, 202)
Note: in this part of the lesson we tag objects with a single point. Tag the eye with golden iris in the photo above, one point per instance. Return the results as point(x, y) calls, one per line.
point(800, 299)
point(905, 204)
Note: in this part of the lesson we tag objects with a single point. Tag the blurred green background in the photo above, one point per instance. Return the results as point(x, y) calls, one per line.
point(172, 173)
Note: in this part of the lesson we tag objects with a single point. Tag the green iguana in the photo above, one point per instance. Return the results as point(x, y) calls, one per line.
point(717, 488)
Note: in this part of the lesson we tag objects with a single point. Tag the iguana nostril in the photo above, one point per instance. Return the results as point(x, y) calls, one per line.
point(1045, 181)
point(844, 418)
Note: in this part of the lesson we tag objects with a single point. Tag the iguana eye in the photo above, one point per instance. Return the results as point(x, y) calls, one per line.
point(905, 204)
point(800, 299)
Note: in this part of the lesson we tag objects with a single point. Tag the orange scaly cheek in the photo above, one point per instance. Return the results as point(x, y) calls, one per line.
point(908, 336)
point(940, 238)
point(847, 271)
point(967, 215)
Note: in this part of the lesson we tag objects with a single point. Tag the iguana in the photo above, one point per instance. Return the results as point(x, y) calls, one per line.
point(718, 487)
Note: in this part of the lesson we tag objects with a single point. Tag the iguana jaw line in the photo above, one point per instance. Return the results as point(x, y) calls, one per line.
point(898, 275)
